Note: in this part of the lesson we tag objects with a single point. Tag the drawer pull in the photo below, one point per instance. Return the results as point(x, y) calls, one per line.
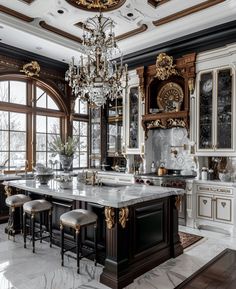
point(204, 202)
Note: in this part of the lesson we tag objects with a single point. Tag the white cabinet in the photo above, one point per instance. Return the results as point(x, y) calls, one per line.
point(132, 112)
point(214, 103)
point(215, 207)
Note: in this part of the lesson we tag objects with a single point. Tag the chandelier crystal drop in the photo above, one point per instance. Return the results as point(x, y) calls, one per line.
point(99, 74)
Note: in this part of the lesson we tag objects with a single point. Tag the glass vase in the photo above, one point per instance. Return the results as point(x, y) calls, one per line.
point(66, 162)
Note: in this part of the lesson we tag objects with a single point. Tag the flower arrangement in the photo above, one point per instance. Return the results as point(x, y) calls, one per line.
point(57, 146)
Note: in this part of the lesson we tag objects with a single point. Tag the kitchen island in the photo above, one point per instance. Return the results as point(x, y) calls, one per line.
point(139, 223)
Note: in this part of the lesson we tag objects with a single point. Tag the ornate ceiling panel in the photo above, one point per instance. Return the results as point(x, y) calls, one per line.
point(97, 5)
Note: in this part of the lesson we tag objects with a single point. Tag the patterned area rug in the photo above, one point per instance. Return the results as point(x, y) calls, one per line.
point(187, 239)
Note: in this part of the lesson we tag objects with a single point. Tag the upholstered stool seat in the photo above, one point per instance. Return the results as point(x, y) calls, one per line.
point(37, 206)
point(33, 208)
point(17, 200)
point(76, 219)
point(13, 202)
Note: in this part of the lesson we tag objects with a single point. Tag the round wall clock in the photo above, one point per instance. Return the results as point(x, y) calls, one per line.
point(170, 97)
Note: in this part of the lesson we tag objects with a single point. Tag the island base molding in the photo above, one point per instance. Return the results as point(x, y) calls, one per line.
point(149, 238)
point(126, 277)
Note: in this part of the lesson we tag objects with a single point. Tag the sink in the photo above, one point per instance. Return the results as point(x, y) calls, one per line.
point(114, 185)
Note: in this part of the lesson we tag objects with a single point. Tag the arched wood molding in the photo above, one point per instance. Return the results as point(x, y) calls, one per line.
point(133, 32)
point(187, 12)
point(28, 1)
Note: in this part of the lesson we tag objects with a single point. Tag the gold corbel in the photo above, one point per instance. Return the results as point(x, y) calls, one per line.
point(123, 216)
point(110, 217)
point(178, 200)
point(191, 85)
point(31, 69)
point(8, 191)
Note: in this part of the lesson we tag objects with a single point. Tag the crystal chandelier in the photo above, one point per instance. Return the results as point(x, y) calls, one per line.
point(99, 74)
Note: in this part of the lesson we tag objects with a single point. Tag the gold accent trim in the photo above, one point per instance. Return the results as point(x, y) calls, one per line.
point(123, 216)
point(165, 67)
point(97, 5)
point(230, 208)
point(31, 69)
point(171, 122)
point(8, 191)
point(110, 217)
point(178, 200)
point(170, 97)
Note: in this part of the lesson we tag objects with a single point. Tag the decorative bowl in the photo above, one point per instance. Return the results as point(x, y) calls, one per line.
point(225, 177)
point(44, 178)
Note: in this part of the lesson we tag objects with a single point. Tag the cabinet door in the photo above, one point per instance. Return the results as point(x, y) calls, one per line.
point(224, 133)
point(205, 208)
point(205, 126)
point(223, 209)
point(134, 117)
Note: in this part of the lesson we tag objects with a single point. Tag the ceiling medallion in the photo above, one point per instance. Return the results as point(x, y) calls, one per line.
point(164, 66)
point(97, 5)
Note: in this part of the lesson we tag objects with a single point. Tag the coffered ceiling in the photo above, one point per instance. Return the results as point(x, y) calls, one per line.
point(53, 28)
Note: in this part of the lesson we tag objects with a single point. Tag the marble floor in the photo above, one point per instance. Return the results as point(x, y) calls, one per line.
point(21, 269)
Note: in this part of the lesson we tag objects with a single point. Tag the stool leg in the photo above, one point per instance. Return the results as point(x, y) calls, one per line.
point(40, 226)
point(62, 244)
point(95, 243)
point(24, 228)
point(77, 248)
point(33, 231)
point(21, 219)
point(50, 227)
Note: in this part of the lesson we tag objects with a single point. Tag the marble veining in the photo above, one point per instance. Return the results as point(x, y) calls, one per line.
point(116, 197)
point(21, 269)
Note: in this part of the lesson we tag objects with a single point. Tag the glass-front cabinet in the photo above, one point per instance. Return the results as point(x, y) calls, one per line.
point(216, 107)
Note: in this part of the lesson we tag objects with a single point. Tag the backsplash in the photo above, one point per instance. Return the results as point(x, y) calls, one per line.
point(172, 146)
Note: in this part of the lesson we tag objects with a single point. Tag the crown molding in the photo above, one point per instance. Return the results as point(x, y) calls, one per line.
point(200, 41)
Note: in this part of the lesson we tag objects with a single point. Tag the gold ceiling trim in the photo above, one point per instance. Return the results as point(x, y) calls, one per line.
point(15, 14)
point(53, 29)
point(97, 5)
point(187, 11)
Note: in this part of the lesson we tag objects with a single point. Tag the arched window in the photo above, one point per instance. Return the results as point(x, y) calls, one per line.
point(30, 114)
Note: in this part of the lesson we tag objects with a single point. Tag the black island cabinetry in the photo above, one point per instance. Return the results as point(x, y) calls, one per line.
point(131, 239)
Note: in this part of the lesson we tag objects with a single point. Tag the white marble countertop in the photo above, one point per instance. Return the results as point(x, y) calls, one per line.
point(9, 177)
point(117, 197)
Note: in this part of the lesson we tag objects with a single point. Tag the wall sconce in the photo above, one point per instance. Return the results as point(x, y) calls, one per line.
point(191, 85)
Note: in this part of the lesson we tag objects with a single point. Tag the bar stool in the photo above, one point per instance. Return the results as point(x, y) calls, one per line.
point(77, 219)
point(33, 208)
point(13, 202)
